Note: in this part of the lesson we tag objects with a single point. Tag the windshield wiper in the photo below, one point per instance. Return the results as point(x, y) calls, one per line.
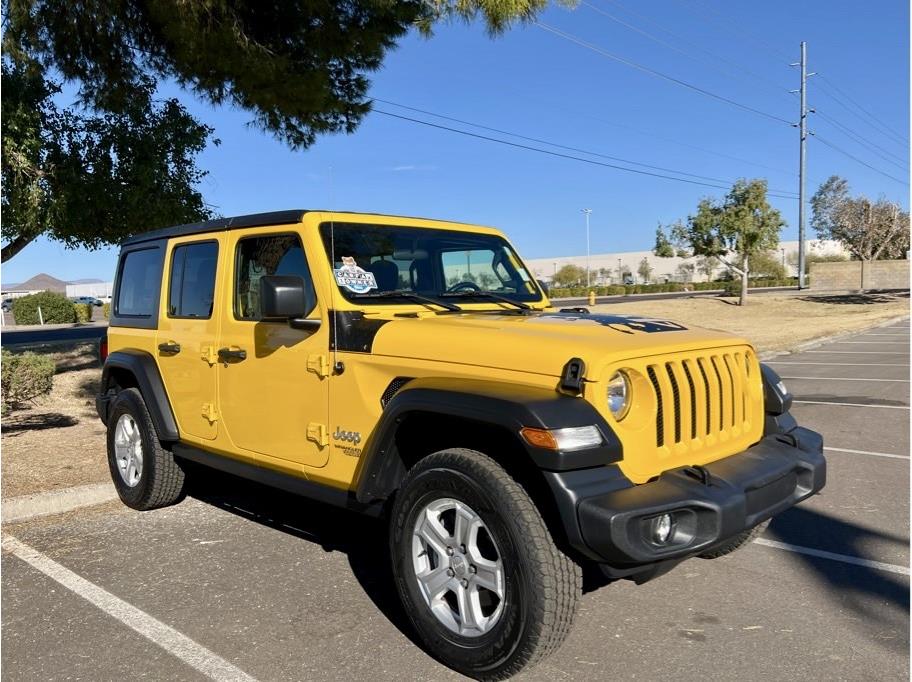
point(411, 296)
point(487, 294)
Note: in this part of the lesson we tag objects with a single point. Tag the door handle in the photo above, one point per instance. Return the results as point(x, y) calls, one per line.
point(171, 348)
point(226, 354)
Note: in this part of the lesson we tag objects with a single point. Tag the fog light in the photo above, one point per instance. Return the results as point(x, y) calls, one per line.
point(661, 529)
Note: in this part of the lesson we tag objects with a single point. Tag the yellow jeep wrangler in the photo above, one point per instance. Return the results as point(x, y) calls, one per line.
point(415, 370)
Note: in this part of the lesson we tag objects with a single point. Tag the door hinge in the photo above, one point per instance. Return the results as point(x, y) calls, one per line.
point(209, 412)
point(317, 433)
point(210, 354)
point(319, 364)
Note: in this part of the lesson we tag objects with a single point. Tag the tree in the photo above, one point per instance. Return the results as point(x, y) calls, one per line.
point(766, 264)
point(604, 275)
point(870, 230)
point(568, 275)
point(708, 265)
point(663, 247)
point(732, 231)
point(123, 162)
point(88, 180)
point(645, 270)
point(685, 271)
point(300, 68)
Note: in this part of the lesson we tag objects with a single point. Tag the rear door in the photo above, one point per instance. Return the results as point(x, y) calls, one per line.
point(188, 333)
point(273, 381)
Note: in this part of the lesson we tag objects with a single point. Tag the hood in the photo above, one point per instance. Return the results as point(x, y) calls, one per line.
point(539, 342)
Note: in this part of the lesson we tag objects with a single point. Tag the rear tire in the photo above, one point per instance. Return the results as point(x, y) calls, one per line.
point(144, 472)
point(488, 634)
point(737, 542)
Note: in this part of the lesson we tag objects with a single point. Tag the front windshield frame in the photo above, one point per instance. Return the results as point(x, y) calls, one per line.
point(428, 262)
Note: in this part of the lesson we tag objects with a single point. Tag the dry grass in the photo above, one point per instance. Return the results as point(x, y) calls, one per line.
point(771, 322)
point(58, 441)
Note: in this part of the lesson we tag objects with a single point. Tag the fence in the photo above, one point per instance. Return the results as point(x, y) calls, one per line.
point(854, 275)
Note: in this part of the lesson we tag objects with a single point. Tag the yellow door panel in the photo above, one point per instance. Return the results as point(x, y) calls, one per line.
point(275, 398)
point(188, 324)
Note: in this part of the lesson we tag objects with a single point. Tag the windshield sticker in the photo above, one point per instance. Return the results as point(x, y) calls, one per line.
point(353, 277)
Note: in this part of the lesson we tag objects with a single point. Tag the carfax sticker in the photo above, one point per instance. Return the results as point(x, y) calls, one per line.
point(353, 277)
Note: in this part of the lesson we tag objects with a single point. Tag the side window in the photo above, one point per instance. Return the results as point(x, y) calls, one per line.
point(267, 255)
point(192, 287)
point(139, 282)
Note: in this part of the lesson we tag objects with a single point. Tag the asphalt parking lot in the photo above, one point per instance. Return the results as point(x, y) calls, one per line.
point(241, 583)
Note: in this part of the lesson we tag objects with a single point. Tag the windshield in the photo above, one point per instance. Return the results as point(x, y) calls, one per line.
point(372, 259)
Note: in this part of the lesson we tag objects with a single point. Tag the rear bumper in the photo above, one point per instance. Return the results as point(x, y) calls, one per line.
point(608, 519)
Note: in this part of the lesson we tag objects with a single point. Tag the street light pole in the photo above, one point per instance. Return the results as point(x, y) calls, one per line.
point(587, 211)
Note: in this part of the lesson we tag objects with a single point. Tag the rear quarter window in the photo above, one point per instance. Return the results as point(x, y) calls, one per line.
point(138, 286)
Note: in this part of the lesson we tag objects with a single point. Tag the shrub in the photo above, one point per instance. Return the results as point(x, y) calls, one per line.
point(55, 308)
point(83, 312)
point(106, 310)
point(24, 377)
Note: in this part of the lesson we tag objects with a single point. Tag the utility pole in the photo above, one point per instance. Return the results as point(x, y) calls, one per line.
point(587, 211)
point(802, 159)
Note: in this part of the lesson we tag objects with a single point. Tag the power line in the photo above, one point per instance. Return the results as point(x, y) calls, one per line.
point(737, 28)
point(557, 145)
point(856, 159)
point(579, 41)
point(758, 77)
point(557, 154)
point(881, 127)
point(870, 146)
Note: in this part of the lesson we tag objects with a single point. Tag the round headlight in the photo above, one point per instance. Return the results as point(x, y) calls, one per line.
point(619, 395)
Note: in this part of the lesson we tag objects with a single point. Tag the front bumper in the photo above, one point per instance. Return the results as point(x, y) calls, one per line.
point(607, 518)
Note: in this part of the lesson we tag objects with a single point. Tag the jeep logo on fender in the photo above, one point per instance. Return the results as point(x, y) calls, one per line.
point(353, 437)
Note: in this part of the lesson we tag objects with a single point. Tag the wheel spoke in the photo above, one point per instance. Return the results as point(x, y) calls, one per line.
point(435, 582)
point(434, 534)
point(489, 575)
point(470, 614)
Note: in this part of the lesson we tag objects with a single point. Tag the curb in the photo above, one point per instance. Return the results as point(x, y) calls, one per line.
point(56, 502)
point(814, 343)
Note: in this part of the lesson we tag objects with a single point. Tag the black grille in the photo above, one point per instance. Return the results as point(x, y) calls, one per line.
point(676, 396)
point(660, 428)
point(693, 399)
point(707, 394)
point(394, 386)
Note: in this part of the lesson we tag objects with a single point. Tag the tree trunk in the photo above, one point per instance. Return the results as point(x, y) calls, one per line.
point(15, 246)
point(743, 296)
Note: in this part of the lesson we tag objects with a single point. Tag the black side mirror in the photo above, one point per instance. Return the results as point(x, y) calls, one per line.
point(545, 287)
point(284, 298)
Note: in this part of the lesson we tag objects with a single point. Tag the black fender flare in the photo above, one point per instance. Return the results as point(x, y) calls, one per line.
point(148, 378)
point(509, 406)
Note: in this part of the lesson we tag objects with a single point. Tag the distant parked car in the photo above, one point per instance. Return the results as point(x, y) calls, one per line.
point(91, 300)
point(628, 280)
point(7, 305)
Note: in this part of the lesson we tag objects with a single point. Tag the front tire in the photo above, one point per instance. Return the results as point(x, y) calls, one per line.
point(144, 472)
point(477, 570)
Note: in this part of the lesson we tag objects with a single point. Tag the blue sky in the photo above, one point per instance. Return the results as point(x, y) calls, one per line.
point(534, 83)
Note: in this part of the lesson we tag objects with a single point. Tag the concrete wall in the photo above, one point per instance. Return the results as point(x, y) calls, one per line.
point(96, 289)
point(856, 274)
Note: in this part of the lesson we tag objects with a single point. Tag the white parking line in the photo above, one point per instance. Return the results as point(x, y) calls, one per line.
point(837, 364)
point(905, 381)
point(825, 402)
point(179, 645)
point(894, 336)
point(844, 558)
point(891, 343)
point(865, 452)
point(865, 352)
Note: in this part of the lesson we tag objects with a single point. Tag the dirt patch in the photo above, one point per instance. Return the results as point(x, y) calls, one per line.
point(774, 323)
point(57, 442)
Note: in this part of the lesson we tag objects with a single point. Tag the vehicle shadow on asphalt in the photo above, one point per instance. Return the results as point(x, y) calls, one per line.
point(852, 586)
point(362, 538)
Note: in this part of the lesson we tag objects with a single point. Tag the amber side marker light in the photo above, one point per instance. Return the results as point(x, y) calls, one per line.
point(575, 438)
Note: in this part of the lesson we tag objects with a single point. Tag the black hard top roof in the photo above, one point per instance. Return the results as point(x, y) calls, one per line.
point(288, 217)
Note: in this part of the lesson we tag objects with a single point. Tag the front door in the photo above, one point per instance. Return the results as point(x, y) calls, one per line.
point(272, 379)
point(187, 333)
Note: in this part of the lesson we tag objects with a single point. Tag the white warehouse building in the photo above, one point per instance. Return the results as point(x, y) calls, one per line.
point(665, 269)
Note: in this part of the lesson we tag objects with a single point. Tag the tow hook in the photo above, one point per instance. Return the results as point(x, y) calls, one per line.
point(700, 473)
